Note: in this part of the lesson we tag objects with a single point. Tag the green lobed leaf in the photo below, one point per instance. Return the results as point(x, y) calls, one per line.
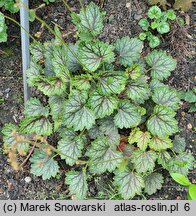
point(36, 50)
point(56, 103)
point(43, 164)
point(39, 125)
point(161, 64)
point(181, 179)
point(108, 129)
point(14, 140)
point(33, 72)
point(154, 12)
point(159, 144)
point(102, 105)
point(138, 91)
point(153, 182)
point(82, 82)
point(129, 183)
point(179, 144)
point(162, 122)
point(34, 107)
point(51, 85)
point(163, 27)
point(3, 34)
point(9, 130)
point(111, 82)
point(142, 36)
point(156, 84)
point(181, 163)
point(59, 62)
point(141, 138)
point(72, 145)
point(134, 72)
point(90, 20)
point(154, 42)
point(166, 96)
point(93, 54)
point(127, 115)
point(144, 24)
point(76, 114)
point(171, 14)
point(103, 156)
point(72, 61)
point(163, 159)
point(77, 182)
point(144, 161)
point(129, 50)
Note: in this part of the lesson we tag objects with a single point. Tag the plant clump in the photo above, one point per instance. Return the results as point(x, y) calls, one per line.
point(94, 90)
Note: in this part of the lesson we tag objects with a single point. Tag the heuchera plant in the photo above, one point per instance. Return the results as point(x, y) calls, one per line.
point(95, 91)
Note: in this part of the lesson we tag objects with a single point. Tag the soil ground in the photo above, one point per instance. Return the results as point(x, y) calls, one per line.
point(122, 18)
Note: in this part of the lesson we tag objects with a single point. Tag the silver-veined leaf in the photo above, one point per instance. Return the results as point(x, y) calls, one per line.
point(111, 82)
point(56, 103)
point(102, 105)
point(153, 182)
point(179, 144)
point(72, 58)
point(141, 138)
point(155, 83)
point(129, 183)
point(59, 62)
point(37, 51)
point(144, 161)
point(33, 72)
point(129, 50)
point(14, 140)
point(159, 144)
point(166, 96)
point(51, 85)
point(90, 20)
point(138, 91)
point(161, 64)
point(71, 145)
point(43, 164)
point(108, 129)
point(82, 82)
point(76, 114)
point(77, 182)
point(127, 115)
point(39, 125)
point(93, 54)
point(163, 159)
point(162, 122)
point(103, 156)
point(95, 132)
point(181, 163)
point(34, 107)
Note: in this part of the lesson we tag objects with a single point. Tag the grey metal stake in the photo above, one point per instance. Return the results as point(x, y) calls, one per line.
point(24, 21)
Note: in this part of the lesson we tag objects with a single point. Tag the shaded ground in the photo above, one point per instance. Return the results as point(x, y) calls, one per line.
point(122, 18)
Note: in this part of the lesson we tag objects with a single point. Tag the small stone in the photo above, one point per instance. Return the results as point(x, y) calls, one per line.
point(178, 198)
point(28, 179)
point(183, 114)
point(189, 126)
point(128, 4)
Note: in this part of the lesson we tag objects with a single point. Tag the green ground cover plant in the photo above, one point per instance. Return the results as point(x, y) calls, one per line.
point(96, 91)
point(156, 24)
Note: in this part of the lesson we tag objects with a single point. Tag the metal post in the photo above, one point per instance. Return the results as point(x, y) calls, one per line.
point(24, 21)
